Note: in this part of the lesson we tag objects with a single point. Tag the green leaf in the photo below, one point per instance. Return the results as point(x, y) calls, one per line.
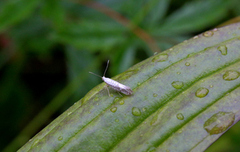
point(183, 100)
point(15, 11)
point(92, 35)
point(194, 16)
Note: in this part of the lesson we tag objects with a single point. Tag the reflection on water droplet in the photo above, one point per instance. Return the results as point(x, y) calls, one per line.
point(177, 84)
point(160, 58)
point(195, 37)
point(117, 120)
point(208, 34)
point(121, 102)
point(231, 75)
point(187, 63)
point(219, 122)
point(201, 92)
point(60, 138)
point(211, 86)
point(155, 95)
point(138, 83)
point(114, 109)
point(222, 49)
point(116, 99)
point(180, 116)
point(136, 111)
point(180, 131)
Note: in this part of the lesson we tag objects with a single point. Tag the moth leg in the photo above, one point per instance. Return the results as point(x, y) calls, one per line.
point(108, 90)
point(120, 94)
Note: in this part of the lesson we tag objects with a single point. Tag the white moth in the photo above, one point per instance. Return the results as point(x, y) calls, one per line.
point(114, 84)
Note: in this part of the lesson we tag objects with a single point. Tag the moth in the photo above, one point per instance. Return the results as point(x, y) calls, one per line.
point(114, 84)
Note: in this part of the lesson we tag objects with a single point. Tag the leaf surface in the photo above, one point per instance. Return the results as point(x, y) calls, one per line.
point(184, 99)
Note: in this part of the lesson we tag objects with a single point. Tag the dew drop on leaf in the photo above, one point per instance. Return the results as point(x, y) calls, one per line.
point(177, 84)
point(208, 34)
point(117, 120)
point(114, 109)
point(121, 102)
point(155, 95)
point(160, 58)
point(195, 37)
point(222, 49)
point(60, 138)
point(136, 111)
point(231, 75)
point(180, 116)
point(219, 122)
point(201, 92)
point(116, 99)
point(187, 64)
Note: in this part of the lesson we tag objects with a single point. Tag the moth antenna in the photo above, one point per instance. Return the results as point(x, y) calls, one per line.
point(106, 68)
point(95, 74)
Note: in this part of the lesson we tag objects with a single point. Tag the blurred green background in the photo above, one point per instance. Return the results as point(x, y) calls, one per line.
point(47, 48)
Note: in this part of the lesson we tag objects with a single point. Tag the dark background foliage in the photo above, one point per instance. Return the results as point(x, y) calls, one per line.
point(47, 48)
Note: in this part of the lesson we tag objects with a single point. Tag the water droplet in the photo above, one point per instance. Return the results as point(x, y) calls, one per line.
point(219, 122)
point(201, 92)
point(177, 84)
point(171, 49)
point(180, 116)
point(121, 102)
point(114, 109)
point(160, 58)
point(96, 99)
point(143, 109)
point(222, 49)
point(155, 95)
point(231, 75)
point(69, 113)
point(136, 111)
point(196, 37)
point(187, 63)
point(138, 83)
point(208, 34)
point(211, 86)
point(215, 30)
point(60, 138)
point(180, 131)
point(117, 120)
point(155, 53)
point(116, 99)
point(163, 57)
